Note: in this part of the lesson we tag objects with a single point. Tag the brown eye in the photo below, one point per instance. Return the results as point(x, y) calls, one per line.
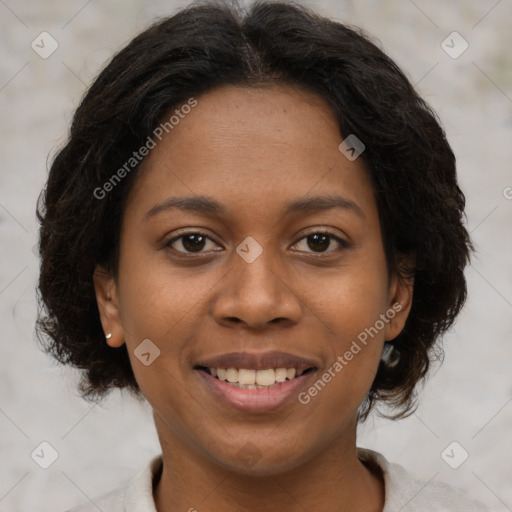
point(320, 242)
point(190, 242)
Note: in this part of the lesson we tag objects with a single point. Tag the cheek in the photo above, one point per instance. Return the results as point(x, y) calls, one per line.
point(155, 298)
point(352, 299)
point(351, 305)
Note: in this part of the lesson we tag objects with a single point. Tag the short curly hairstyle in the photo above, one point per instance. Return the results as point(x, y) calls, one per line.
point(209, 44)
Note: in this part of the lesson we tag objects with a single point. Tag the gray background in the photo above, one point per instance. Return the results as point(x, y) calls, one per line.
point(468, 400)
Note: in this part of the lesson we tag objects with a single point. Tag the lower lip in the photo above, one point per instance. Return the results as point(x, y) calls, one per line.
point(256, 400)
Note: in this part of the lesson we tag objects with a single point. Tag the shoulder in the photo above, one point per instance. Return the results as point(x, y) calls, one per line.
point(111, 502)
point(406, 493)
point(137, 495)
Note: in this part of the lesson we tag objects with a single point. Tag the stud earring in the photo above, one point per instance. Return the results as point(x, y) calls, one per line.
point(108, 336)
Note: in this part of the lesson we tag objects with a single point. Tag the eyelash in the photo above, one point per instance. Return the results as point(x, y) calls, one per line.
point(343, 244)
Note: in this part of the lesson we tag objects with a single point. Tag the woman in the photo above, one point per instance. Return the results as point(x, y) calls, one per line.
point(256, 226)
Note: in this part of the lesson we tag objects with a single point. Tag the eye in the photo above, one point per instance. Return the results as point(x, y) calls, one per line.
point(320, 241)
point(193, 242)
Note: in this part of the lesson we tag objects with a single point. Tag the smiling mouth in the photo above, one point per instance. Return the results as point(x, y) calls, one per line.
point(255, 379)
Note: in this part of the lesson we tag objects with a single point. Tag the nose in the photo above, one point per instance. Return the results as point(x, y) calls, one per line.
point(257, 295)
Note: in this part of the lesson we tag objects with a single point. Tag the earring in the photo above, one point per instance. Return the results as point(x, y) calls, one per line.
point(386, 351)
point(108, 336)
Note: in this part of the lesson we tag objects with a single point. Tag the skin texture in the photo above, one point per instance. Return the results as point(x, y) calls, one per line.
point(253, 151)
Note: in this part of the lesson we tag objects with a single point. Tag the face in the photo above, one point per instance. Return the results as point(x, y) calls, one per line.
point(250, 242)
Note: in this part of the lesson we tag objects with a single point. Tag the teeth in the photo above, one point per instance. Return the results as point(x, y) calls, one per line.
point(266, 377)
point(247, 377)
point(255, 379)
point(281, 374)
point(232, 375)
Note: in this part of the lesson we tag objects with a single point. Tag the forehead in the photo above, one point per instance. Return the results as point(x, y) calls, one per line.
point(252, 146)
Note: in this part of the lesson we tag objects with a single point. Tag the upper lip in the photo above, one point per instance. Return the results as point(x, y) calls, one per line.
point(257, 361)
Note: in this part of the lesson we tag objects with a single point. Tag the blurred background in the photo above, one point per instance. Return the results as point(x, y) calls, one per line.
point(459, 56)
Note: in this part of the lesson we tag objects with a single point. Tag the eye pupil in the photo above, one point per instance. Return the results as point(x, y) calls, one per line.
point(193, 246)
point(195, 242)
point(318, 237)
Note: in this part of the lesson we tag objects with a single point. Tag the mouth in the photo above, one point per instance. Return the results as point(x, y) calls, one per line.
point(256, 382)
point(247, 378)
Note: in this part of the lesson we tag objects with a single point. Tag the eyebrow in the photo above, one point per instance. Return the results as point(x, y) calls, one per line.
point(207, 206)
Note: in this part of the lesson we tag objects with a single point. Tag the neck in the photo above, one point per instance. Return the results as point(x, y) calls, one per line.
point(334, 479)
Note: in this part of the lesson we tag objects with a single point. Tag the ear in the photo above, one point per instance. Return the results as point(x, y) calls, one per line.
point(108, 306)
point(400, 298)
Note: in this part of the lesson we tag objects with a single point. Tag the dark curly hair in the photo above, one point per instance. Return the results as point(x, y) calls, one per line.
point(411, 165)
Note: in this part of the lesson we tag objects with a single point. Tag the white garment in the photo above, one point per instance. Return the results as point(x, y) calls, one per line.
point(403, 493)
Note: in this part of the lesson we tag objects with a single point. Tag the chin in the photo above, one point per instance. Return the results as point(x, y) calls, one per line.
point(258, 461)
